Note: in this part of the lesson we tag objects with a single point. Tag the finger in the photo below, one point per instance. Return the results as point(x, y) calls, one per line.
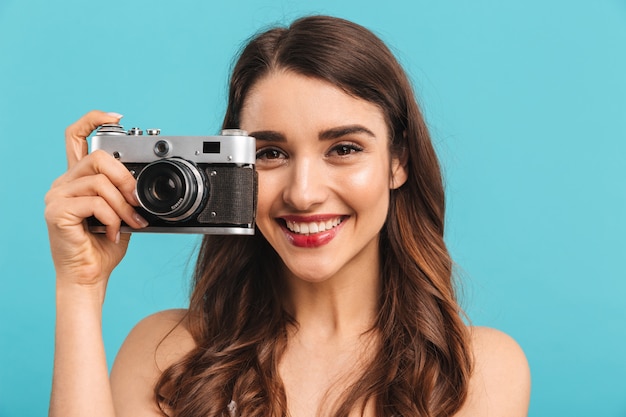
point(100, 162)
point(65, 216)
point(76, 134)
point(63, 213)
point(97, 207)
point(99, 185)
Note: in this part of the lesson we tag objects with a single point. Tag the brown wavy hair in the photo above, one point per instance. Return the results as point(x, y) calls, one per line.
point(422, 361)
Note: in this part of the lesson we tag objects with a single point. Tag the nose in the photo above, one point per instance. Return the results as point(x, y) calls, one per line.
point(306, 185)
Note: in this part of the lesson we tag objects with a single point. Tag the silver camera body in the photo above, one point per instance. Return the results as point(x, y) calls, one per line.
point(187, 184)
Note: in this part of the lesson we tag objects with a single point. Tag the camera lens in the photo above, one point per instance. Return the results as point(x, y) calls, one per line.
point(164, 189)
point(172, 189)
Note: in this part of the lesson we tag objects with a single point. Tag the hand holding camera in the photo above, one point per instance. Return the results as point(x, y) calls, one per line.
point(135, 182)
point(94, 185)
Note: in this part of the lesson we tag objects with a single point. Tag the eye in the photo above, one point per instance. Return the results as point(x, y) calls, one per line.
point(345, 149)
point(267, 154)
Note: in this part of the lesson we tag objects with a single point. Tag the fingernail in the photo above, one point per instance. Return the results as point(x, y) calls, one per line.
point(142, 222)
point(117, 237)
point(116, 115)
point(136, 196)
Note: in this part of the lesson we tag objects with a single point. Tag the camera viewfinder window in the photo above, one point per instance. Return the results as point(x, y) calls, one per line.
point(211, 147)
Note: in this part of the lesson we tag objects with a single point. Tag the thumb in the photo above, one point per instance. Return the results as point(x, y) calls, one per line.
point(76, 134)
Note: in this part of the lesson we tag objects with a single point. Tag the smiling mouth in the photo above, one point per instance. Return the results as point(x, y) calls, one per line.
point(310, 228)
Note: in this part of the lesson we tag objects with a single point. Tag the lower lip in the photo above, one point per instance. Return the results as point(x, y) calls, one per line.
point(313, 240)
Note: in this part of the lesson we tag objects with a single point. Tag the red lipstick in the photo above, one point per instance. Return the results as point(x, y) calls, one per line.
point(311, 240)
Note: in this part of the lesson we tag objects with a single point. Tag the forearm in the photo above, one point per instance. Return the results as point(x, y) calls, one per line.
point(80, 384)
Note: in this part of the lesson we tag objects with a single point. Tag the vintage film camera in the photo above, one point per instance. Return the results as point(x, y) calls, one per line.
point(187, 184)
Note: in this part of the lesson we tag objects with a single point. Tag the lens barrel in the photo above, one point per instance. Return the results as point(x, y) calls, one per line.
point(172, 189)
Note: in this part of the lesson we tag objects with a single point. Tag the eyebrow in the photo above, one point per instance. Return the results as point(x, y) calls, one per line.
point(328, 134)
point(337, 132)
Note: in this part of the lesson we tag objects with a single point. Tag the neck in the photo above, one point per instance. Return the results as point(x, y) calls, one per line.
point(344, 306)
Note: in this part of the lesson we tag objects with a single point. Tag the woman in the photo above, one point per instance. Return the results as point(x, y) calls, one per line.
point(341, 304)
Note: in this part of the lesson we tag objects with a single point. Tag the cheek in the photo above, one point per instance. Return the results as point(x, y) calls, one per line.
point(265, 200)
point(369, 183)
point(269, 191)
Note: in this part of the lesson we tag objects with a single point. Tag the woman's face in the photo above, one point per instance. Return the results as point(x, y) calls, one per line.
point(324, 170)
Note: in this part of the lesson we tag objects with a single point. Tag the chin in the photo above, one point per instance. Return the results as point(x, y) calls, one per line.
point(313, 274)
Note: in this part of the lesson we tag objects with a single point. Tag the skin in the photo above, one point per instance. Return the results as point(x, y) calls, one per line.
point(322, 155)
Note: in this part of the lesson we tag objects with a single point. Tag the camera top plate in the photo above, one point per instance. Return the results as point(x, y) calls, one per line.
point(233, 146)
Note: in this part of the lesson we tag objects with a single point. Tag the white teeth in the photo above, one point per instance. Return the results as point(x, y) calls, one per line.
point(312, 227)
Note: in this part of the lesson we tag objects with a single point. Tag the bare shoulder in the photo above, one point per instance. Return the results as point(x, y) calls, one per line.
point(500, 382)
point(154, 344)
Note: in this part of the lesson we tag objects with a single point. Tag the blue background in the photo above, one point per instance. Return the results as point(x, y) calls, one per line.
point(527, 105)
